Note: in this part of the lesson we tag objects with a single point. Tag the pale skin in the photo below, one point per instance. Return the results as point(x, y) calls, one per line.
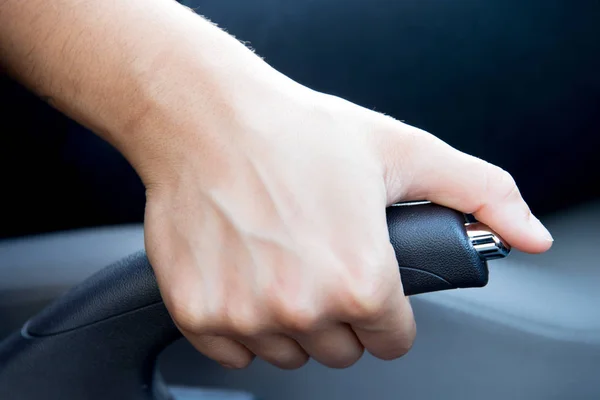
point(265, 216)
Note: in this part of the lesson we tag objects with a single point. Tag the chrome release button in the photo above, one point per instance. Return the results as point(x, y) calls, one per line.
point(486, 242)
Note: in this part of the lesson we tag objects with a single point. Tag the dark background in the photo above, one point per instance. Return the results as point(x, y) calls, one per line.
point(515, 82)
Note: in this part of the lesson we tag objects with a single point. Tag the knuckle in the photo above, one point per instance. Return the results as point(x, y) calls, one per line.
point(188, 316)
point(365, 300)
point(419, 142)
point(297, 318)
point(244, 327)
point(244, 322)
point(502, 185)
point(368, 288)
point(401, 145)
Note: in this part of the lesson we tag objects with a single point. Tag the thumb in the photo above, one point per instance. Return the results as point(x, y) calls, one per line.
point(419, 166)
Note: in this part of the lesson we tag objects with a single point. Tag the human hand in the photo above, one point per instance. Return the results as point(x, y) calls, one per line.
point(266, 227)
point(265, 220)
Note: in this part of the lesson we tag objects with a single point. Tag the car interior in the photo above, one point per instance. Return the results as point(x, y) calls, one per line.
point(514, 82)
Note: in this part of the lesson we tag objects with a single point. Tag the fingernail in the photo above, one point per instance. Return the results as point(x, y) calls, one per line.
point(540, 229)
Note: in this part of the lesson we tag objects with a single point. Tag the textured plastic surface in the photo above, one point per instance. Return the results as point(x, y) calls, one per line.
point(112, 328)
point(124, 287)
point(101, 339)
point(433, 249)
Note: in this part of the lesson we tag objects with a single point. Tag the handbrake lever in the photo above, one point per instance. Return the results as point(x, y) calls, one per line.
point(101, 339)
point(438, 249)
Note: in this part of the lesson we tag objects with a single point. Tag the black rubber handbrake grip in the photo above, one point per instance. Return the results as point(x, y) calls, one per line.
point(101, 339)
point(437, 249)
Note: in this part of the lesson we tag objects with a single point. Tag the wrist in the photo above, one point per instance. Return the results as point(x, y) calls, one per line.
point(197, 93)
point(188, 69)
point(134, 72)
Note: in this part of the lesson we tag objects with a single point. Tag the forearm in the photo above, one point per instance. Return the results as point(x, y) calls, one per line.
point(111, 65)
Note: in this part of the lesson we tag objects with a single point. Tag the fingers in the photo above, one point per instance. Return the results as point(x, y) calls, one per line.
point(390, 333)
point(335, 346)
point(363, 312)
point(420, 166)
point(277, 349)
point(287, 343)
point(380, 315)
point(227, 352)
